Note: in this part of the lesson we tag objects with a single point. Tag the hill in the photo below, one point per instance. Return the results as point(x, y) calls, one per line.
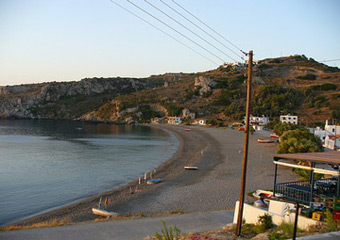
point(294, 84)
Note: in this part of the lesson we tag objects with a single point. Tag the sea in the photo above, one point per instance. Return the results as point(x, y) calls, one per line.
point(47, 164)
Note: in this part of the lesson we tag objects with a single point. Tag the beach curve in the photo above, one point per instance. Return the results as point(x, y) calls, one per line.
point(215, 186)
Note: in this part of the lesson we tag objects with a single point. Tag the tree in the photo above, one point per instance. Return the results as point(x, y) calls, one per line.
point(280, 128)
point(299, 141)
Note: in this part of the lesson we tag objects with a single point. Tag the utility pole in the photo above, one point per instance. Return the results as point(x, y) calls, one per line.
point(245, 147)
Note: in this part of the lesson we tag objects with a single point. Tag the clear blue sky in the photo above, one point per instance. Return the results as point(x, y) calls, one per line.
point(67, 40)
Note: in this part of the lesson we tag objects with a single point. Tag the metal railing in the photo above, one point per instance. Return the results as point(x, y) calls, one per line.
point(301, 190)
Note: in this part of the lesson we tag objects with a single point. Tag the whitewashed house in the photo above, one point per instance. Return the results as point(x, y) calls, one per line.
point(174, 120)
point(332, 142)
point(258, 123)
point(332, 139)
point(289, 119)
point(319, 133)
point(258, 120)
point(332, 129)
point(200, 121)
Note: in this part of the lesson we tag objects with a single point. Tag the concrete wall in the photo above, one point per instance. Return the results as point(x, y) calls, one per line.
point(278, 211)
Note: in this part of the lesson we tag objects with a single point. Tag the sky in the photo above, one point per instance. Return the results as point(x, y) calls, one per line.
point(68, 40)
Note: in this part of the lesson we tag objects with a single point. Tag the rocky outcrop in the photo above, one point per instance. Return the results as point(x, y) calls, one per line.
point(113, 112)
point(204, 85)
point(37, 101)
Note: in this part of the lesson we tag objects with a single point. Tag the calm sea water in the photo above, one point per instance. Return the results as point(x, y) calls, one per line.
point(48, 164)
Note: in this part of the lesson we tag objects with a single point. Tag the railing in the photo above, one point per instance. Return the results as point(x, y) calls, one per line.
point(294, 192)
point(301, 190)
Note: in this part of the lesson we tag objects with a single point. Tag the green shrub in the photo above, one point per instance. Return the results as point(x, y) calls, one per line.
point(287, 228)
point(266, 221)
point(308, 76)
point(168, 234)
point(324, 87)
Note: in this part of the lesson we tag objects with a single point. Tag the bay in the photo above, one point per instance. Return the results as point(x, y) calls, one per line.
point(48, 164)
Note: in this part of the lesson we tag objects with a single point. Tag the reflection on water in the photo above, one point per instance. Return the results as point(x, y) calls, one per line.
point(46, 164)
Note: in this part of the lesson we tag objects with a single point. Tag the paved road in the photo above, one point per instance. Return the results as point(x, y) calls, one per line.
point(125, 229)
point(325, 236)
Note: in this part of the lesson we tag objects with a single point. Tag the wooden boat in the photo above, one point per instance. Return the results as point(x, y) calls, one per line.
point(241, 129)
point(274, 135)
point(154, 181)
point(190, 168)
point(266, 140)
point(265, 194)
point(187, 129)
point(103, 213)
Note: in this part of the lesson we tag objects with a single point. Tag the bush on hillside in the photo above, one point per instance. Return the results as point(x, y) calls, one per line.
point(324, 87)
point(272, 100)
point(308, 76)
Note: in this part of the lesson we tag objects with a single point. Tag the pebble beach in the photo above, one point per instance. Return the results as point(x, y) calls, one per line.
point(214, 186)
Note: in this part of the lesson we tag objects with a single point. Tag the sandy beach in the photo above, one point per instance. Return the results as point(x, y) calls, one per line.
point(215, 186)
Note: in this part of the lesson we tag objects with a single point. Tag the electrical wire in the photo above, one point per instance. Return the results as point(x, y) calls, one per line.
point(243, 52)
point(162, 1)
point(174, 30)
point(163, 32)
point(158, 9)
point(331, 60)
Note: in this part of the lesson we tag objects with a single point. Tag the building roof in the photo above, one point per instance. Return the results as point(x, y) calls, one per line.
point(322, 157)
point(334, 137)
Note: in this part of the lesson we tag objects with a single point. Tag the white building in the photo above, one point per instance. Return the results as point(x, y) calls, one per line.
point(332, 139)
point(332, 142)
point(174, 120)
point(319, 133)
point(259, 120)
point(289, 119)
point(200, 121)
point(332, 129)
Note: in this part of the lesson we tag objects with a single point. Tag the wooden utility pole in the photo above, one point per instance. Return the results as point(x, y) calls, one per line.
point(245, 147)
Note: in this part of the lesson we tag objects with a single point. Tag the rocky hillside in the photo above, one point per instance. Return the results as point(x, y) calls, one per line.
point(295, 85)
point(66, 100)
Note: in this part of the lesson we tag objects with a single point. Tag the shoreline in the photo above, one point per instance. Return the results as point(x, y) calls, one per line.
point(215, 186)
point(67, 211)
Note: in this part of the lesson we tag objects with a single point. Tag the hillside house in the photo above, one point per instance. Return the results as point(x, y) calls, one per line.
point(319, 133)
point(289, 119)
point(258, 123)
point(330, 137)
point(332, 142)
point(157, 120)
point(174, 120)
point(258, 120)
point(200, 121)
point(332, 129)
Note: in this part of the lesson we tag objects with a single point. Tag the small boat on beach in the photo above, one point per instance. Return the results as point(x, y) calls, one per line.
point(273, 135)
point(190, 168)
point(266, 140)
point(258, 194)
point(103, 213)
point(154, 181)
point(187, 129)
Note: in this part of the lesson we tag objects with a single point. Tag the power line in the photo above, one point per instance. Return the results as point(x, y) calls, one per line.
point(200, 28)
point(162, 31)
point(331, 60)
point(188, 29)
point(174, 29)
point(243, 52)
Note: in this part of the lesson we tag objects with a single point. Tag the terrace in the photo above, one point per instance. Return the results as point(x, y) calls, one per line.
point(311, 191)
